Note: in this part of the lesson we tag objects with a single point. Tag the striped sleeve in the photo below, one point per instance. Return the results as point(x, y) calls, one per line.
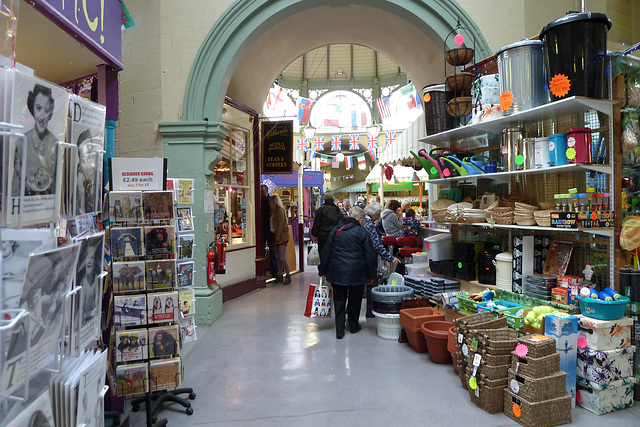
point(375, 239)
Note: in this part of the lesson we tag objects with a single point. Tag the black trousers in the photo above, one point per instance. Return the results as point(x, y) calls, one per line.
point(347, 300)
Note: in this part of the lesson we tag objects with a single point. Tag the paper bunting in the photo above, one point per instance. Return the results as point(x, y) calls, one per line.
point(354, 142)
point(336, 143)
point(318, 143)
point(361, 159)
point(348, 162)
point(372, 142)
point(372, 154)
point(323, 160)
point(389, 138)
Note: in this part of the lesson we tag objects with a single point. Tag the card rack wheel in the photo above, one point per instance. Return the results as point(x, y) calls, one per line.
point(189, 411)
point(192, 395)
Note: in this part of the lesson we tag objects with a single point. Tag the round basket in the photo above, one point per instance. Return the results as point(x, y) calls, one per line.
point(460, 82)
point(387, 325)
point(460, 106)
point(547, 205)
point(459, 56)
point(502, 210)
point(439, 215)
point(525, 207)
point(503, 220)
point(543, 217)
point(525, 221)
point(441, 204)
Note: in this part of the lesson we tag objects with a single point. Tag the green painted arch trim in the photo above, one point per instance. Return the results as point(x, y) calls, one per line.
point(245, 20)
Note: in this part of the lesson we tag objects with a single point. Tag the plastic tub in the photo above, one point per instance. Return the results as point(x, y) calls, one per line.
point(417, 269)
point(436, 333)
point(603, 310)
point(420, 257)
point(438, 247)
point(575, 46)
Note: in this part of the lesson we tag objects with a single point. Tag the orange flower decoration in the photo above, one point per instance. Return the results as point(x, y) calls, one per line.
point(506, 100)
point(559, 85)
point(516, 410)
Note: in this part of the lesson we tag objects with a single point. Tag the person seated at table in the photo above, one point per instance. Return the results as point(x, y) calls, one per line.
point(411, 227)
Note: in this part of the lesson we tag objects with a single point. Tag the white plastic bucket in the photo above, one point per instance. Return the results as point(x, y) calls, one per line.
point(388, 325)
point(503, 263)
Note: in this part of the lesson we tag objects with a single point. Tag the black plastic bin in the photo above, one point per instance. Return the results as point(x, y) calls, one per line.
point(576, 46)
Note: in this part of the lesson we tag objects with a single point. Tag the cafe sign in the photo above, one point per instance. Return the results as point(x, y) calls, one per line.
point(277, 147)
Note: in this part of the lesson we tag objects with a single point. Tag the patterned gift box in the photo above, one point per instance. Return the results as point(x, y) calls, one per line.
point(605, 334)
point(605, 366)
point(603, 398)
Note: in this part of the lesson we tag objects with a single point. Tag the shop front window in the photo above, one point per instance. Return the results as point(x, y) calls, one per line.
point(231, 190)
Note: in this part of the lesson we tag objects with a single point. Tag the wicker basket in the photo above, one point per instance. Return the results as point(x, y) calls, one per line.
point(537, 389)
point(547, 413)
point(439, 215)
point(484, 320)
point(494, 372)
point(535, 366)
point(525, 207)
point(547, 206)
point(459, 56)
point(489, 399)
point(538, 345)
point(497, 341)
point(441, 204)
point(507, 220)
point(525, 220)
point(543, 217)
point(490, 359)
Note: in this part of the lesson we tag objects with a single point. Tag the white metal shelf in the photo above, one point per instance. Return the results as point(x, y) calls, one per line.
point(575, 167)
point(540, 113)
point(600, 231)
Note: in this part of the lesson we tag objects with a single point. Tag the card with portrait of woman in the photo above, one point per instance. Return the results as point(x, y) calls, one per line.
point(41, 108)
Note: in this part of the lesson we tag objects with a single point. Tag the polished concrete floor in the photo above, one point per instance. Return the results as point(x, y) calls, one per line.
point(264, 364)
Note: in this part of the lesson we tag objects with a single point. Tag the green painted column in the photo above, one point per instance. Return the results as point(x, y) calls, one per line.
point(192, 150)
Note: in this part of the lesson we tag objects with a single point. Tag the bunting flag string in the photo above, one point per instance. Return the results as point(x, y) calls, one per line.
point(336, 143)
point(354, 144)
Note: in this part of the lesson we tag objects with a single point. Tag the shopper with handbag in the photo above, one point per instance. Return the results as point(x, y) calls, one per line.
point(348, 262)
point(280, 230)
point(325, 218)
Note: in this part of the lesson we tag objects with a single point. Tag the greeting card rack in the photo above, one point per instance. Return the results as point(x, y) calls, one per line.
point(145, 343)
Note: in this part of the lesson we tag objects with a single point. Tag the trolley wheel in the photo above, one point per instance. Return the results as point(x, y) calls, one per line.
point(135, 408)
point(192, 395)
point(189, 411)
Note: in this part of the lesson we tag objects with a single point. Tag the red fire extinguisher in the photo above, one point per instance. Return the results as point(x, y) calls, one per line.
point(211, 265)
point(221, 258)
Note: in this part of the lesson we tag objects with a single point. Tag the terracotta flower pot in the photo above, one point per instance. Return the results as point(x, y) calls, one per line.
point(436, 333)
point(455, 362)
point(451, 342)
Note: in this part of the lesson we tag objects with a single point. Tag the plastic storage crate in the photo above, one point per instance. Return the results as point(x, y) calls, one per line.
point(467, 305)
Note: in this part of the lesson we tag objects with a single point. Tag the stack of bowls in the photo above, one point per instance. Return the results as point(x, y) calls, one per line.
point(523, 214)
point(543, 217)
point(439, 209)
point(502, 215)
point(472, 215)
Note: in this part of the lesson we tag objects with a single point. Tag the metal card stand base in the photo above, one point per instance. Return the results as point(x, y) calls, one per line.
point(159, 399)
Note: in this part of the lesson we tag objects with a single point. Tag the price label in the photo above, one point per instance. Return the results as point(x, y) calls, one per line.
point(476, 360)
point(460, 338)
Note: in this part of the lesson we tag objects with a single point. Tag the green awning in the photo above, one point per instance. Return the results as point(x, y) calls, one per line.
point(358, 187)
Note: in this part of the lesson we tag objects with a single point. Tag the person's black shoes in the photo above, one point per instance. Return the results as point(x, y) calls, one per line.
point(355, 330)
point(339, 334)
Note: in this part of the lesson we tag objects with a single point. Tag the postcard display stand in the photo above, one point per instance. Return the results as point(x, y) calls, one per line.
point(183, 198)
point(145, 341)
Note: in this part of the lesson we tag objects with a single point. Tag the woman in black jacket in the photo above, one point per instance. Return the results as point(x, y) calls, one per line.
point(348, 262)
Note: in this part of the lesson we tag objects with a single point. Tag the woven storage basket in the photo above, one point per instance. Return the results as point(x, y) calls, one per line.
point(520, 206)
point(535, 366)
point(537, 389)
point(538, 345)
point(547, 413)
point(547, 206)
point(503, 220)
point(460, 106)
point(476, 321)
point(490, 359)
point(460, 82)
point(489, 399)
point(493, 372)
point(543, 218)
point(525, 221)
point(497, 341)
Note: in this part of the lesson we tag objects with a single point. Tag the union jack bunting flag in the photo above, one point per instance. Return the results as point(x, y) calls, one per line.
point(354, 142)
point(390, 138)
point(302, 144)
point(336, 143)
point(319, 143)
point(372, 142)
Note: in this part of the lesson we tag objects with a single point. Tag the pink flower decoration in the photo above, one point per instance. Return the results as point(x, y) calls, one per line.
point(578, 397)
point(459, 40)
point(522, 350)
point(582, 342)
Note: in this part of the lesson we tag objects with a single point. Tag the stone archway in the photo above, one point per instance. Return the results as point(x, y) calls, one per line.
point(248, 47)
point(257, 39)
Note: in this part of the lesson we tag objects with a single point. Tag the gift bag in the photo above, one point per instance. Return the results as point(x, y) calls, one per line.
point(319, 300)
point(313, 258)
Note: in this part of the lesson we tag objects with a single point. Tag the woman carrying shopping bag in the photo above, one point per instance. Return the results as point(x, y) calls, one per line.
point(348, 261)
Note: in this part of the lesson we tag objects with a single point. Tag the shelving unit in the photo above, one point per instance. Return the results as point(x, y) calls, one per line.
point(541, 113)
point(576, 107)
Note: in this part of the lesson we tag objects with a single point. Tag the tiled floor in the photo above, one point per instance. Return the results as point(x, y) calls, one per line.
point(264, 364)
